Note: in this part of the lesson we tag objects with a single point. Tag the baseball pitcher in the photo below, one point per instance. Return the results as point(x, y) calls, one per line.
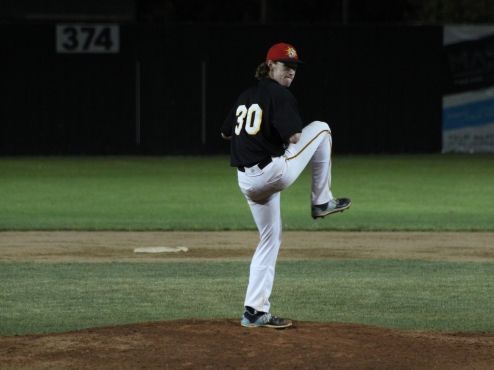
point(270, 150)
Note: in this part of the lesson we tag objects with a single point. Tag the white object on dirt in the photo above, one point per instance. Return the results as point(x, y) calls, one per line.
point(161, 249)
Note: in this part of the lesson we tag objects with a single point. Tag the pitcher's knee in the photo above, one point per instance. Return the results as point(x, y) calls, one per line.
point(320, 125)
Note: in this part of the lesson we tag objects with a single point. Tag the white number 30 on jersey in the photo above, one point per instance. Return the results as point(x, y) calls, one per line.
point(252, 118)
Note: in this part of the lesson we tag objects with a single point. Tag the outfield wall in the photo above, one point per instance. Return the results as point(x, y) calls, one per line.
point(152, 89)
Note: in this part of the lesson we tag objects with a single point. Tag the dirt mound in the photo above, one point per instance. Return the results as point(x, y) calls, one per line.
point(224, 344)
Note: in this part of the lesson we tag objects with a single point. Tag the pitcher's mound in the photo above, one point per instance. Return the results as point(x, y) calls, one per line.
point(224, 344)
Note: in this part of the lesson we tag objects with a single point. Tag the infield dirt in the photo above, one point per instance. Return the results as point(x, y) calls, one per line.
point(224, 344)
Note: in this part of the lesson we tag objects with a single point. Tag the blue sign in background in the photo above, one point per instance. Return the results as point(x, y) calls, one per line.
point(471, 114)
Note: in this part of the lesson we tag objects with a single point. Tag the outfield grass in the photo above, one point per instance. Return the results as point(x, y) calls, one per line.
point(41, 298)
point(410, 192)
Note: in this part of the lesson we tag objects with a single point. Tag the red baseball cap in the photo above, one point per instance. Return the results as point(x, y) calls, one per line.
point(283, 53)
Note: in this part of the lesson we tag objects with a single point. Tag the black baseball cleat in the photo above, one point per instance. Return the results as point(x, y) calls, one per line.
point(333, 206)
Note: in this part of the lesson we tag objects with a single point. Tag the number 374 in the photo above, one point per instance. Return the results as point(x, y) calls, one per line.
point(252, 118)
point(88, 38)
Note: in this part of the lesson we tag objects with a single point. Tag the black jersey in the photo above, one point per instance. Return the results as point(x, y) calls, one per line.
point(261, 122)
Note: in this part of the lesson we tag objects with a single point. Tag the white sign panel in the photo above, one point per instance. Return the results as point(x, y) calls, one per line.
point(468, 122)
point(468, 101)
point(87, 38)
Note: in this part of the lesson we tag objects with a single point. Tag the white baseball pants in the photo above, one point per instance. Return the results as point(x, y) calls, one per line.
point(262, 190)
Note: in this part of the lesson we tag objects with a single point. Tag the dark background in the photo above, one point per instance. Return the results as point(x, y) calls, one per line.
point(373, 73)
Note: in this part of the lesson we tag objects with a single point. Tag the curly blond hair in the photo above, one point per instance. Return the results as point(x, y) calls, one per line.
point(262, 71)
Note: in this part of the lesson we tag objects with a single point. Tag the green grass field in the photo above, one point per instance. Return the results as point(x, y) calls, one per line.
point(416, 193)
point(45, 297)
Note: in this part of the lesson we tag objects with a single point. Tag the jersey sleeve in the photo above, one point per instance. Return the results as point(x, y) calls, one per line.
point(226, 128)
point(287, 120)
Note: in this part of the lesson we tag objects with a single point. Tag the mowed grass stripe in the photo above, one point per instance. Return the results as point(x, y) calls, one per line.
point(41, 298)
point(404, 192)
